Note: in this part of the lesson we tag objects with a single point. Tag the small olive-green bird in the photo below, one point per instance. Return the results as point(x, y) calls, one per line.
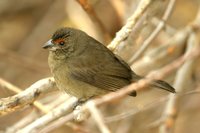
point(85, 68)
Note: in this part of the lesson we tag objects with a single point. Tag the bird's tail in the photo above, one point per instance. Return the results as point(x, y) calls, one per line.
point(157, 83)
point(163, 85)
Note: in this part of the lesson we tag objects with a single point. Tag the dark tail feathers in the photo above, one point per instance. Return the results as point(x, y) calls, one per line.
point(163, 85)
point(157, 83)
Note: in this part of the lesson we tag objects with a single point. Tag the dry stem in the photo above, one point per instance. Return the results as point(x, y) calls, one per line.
point(127, 28)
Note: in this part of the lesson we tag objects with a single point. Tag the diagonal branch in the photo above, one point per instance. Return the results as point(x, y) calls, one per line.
point(29, 95)
point(9, 86)
point(127, 28)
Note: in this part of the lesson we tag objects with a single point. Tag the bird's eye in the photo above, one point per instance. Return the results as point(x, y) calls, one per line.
point(62, 43)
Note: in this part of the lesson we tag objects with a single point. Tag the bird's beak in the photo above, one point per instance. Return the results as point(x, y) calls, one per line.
point(48, 44)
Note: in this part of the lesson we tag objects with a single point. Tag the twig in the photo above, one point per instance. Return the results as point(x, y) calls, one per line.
point(97, 117)
point(164, 54)
point(18, 101)
point(160, 26)
point(90, 11)
point(168, 28)
point(6, 85)
point(182, 78)
point(127, 28)
point(49, 117)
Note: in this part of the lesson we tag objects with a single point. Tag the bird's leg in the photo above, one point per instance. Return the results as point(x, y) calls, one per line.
point(79, 103)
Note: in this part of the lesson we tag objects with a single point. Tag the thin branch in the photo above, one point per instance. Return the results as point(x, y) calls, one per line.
point(127, 28)
point(97, 116)
point(168, 28)
point(157, 30)
point(18, 101)
point(163, 54)
point(6, 85)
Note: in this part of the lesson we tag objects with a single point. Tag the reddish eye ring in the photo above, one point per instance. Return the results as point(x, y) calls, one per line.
point(62, 43)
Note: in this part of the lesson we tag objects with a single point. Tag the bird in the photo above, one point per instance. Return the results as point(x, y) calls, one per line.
point(85, 68)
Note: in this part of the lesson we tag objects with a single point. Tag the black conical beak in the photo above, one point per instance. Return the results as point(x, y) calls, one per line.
point(48, 44)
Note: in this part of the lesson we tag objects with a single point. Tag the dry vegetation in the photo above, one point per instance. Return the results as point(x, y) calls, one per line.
point(158, 38)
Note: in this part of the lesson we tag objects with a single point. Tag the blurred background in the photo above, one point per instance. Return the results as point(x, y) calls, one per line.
point(25, 25)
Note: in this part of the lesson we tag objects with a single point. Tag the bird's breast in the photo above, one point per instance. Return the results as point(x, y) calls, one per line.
point(65, 82)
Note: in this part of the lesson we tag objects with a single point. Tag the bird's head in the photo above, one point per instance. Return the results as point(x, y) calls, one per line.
point(65, 41)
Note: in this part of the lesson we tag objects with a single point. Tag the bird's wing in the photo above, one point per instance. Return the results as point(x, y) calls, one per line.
point(109, 73)
point(101, 77)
